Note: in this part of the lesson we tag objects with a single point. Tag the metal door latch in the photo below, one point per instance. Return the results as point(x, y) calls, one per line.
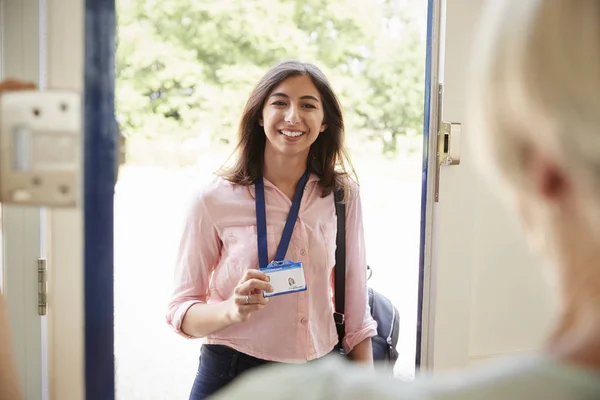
point(448, 142)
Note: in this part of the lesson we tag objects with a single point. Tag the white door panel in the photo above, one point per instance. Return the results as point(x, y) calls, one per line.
point(510, 303)
point(21, 229)
point(43, 42)
point(21, 232)
point(488, 297)
point(65, 58)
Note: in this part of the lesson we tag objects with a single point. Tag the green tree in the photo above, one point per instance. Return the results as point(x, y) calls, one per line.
point(185, 67)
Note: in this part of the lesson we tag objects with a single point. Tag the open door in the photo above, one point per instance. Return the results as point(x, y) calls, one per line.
point(483, 295)
point(42, 249)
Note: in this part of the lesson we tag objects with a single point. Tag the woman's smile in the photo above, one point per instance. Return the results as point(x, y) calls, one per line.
point(292, 136)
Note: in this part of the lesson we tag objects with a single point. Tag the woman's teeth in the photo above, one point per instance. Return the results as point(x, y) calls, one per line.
point(291, 133)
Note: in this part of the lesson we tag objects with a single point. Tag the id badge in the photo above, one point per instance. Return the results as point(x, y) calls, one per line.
point(286, 277)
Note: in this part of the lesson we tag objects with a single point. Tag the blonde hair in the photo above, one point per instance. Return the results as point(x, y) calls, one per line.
point(535, 83)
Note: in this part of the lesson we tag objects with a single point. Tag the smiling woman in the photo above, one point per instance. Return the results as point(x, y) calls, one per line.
point(293, 99)
point(290, 159)
point(293, 120)
point(292, 113)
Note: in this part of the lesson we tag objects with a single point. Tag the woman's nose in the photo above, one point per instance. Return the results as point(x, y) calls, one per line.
point(292, 115)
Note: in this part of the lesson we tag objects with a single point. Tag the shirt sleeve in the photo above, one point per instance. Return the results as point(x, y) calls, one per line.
point(360, 325)
point(197, 257)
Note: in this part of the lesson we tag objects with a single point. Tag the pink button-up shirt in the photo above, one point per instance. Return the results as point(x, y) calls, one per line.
point(219, 245)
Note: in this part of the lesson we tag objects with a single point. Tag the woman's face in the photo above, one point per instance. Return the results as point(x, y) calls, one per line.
point(292, 117)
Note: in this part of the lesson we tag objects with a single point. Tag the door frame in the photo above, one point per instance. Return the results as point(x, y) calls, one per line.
point(99, 179)
point(100, 163)
point(64, 58)
point(430, 174)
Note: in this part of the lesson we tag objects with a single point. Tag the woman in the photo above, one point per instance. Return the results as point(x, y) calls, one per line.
point(291, 153)
point(535, 110)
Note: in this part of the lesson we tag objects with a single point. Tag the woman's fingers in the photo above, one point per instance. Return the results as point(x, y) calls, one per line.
point(252, 299)
point(248, 294)
point(254, 274)
point(252, 286)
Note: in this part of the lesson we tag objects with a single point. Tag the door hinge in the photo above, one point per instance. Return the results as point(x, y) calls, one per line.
point(448, 141)
point(42, 286)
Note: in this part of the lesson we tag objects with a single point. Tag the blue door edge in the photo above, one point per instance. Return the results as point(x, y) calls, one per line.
point(425, 178)
point(99, 155)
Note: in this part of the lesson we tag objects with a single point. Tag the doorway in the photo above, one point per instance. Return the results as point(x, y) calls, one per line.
point(184, 70)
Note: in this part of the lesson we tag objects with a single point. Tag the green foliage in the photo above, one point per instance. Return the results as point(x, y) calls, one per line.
point(186, 67)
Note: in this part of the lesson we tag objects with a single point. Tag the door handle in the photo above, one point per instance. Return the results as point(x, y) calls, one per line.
point(449, 143)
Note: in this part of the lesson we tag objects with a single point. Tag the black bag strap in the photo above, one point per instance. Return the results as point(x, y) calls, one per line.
point(340, 266)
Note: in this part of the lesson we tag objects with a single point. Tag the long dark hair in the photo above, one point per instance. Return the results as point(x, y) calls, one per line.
point(327, 157)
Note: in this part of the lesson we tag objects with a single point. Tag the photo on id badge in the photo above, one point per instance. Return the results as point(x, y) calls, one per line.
point(285, 277)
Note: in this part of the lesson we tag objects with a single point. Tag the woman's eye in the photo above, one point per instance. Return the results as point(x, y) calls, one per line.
point(309, 106)
point(279, 103)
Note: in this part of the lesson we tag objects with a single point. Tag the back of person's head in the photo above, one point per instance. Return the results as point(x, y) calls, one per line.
point(536, 90)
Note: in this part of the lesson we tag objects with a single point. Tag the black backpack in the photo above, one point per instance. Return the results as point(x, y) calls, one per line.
point(382, 309)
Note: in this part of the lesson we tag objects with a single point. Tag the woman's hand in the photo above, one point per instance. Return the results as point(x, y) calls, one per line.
point(248, 295)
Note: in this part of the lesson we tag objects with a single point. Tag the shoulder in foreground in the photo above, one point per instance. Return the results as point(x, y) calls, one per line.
point(329, 379)
point(515, 378)
point(532, 376)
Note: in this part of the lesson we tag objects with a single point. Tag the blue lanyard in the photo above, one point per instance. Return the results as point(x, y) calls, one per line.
point(261, 222)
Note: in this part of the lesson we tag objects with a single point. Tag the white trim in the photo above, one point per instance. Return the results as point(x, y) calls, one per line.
point(42, 82)
point(2, 13)
point(428, 312)
point(65, 58)
point(452, 270)
point(43, 39)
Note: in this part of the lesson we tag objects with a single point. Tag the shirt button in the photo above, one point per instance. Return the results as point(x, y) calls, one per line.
point(303, 321)
point(302, 252)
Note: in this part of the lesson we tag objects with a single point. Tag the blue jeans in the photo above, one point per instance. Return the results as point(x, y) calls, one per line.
point(219, 366)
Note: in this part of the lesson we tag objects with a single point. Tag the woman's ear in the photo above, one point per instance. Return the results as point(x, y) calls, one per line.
point(261, 122)
point(323, 127)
